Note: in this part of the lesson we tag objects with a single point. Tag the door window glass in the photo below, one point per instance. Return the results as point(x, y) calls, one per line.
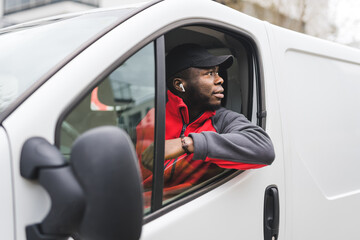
point(125, 99)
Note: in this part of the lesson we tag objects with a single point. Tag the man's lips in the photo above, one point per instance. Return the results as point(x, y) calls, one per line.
point(218, 94)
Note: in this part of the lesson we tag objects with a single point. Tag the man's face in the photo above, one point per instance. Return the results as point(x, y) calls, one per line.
point(204, 90)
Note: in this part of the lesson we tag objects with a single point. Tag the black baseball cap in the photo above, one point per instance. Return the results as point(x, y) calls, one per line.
point(192, 55)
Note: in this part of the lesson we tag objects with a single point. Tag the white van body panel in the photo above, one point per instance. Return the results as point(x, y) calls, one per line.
point(318, 89)
point(311, 95)
point(6, 207)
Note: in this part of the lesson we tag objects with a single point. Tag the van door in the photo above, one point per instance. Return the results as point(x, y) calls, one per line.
point(6, 188)
point(231, 207)
point(318, 84)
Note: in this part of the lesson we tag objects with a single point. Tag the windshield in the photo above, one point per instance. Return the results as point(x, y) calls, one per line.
point(30, 52)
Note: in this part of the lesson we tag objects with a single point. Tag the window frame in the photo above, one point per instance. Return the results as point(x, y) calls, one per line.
point(157, 207)
point(159, 146)
point(256, 80)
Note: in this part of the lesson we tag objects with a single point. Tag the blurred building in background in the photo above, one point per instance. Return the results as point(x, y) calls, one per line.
point(327, 19)
point(309, 17)
point(19, 11)
point(335, 20)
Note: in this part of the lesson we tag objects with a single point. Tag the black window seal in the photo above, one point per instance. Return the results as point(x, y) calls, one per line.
point(13, 106)
point(249, 56)
point(160, 99)
point(260, 91)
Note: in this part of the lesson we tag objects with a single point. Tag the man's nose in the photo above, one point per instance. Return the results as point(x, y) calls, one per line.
point(218, 80)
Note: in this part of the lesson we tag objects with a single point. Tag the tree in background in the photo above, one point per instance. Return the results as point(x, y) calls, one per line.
point(346, 15)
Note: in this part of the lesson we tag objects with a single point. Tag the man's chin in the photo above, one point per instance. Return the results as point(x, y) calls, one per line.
point(214, 107)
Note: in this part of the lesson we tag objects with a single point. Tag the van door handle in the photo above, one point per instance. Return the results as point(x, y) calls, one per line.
point(271, 213)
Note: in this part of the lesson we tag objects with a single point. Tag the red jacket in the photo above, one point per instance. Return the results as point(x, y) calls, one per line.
point(221, 133)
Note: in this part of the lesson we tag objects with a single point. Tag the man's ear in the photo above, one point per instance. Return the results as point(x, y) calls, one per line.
point(178, 84)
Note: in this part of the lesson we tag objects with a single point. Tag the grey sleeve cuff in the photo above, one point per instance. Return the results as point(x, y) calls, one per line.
point(200, 146)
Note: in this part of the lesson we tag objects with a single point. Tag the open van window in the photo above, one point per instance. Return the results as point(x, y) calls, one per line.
point(240, 81)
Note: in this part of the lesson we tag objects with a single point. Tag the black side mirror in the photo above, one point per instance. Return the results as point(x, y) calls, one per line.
point(97, 196)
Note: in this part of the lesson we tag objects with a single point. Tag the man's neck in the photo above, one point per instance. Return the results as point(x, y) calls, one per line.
point(194, 114)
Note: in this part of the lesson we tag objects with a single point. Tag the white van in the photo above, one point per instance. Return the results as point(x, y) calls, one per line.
point(61, 77)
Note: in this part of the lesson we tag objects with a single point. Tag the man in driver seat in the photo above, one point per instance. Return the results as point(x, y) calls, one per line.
point(202, 138)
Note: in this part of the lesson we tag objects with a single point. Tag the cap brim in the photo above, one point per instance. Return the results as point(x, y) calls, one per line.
point(224, 62)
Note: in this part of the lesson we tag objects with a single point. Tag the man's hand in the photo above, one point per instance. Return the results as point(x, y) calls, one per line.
point(173, 149)
point(147, 157)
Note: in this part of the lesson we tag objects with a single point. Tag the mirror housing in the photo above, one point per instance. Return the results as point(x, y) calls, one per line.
point(105, 163)
point(103, 179)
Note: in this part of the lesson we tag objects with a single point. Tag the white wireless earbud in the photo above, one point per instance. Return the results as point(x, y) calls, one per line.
point(182, 87)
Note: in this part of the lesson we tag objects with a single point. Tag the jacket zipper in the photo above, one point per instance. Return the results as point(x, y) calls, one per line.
point(183, 129)
point(181, 133)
